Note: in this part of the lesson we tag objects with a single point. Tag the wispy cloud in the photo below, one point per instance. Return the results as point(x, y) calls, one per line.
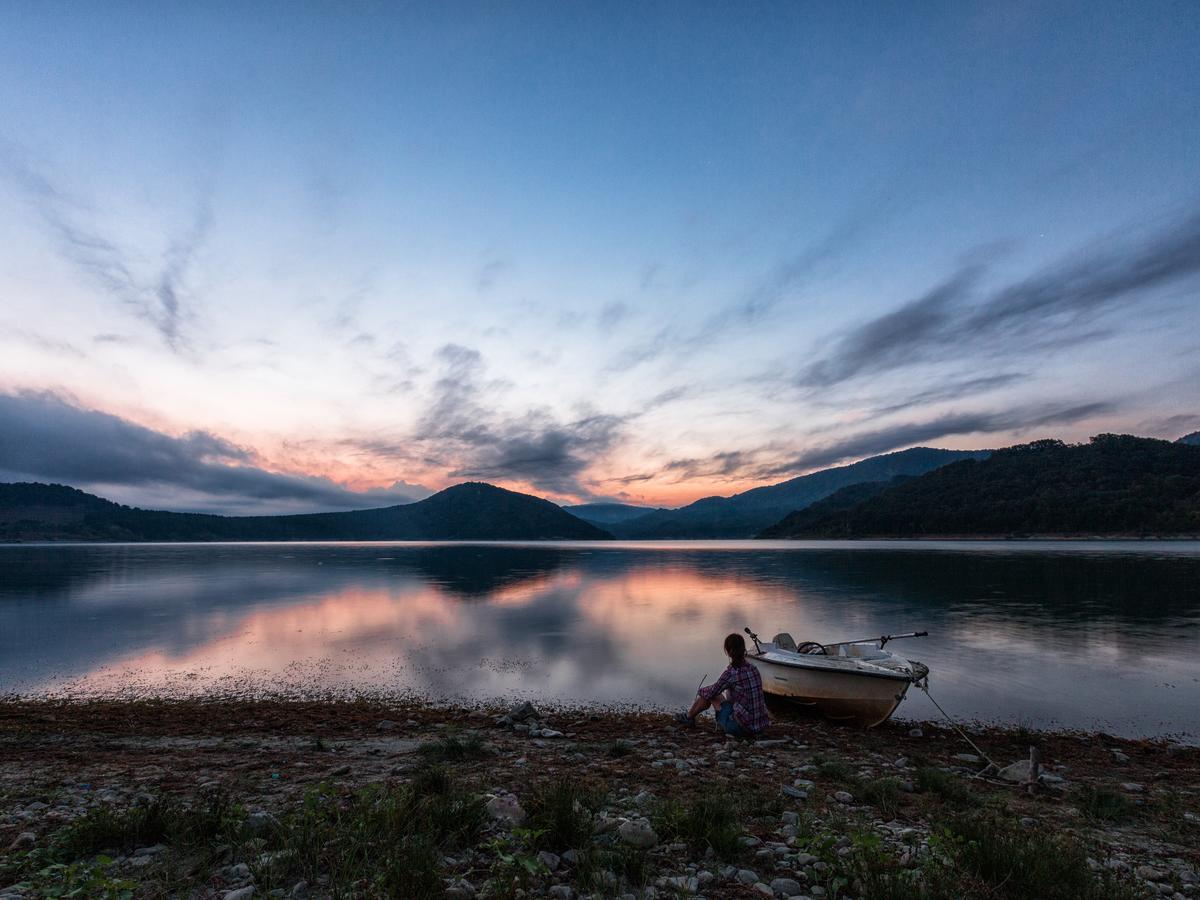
point(158, 298)
point(47, 437)
point(907, 434)
point(1059, 306)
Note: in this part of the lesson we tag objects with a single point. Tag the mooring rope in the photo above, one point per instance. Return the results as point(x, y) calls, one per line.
point(923, 684)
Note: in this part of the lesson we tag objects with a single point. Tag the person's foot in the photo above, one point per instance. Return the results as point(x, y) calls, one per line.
point(683, 720)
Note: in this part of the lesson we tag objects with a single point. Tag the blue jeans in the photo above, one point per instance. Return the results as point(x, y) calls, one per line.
point(726, 720)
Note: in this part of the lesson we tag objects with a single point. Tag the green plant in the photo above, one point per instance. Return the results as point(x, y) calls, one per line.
point(515, 861)
point(883, 793)
point(932, 780)
point(83, 880)
point(1103, 804)
point(562, 812)
point(619, 748)
point(704, 822)
point(452, 748)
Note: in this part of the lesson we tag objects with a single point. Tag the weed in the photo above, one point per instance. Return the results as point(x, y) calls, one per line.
point(562, 812)
point(1027, 864)
point(932, 780)
point(452, 748)
point(89, 879)
point(163, 820)
point(1103, 804)
point(381, 840)
point(883, 794)
point(515, 862)
point(703, 821)
point(834, 770)
point(619, 748)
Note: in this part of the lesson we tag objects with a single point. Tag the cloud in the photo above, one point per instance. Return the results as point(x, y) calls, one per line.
point(462, 426)
point(158, 298)
point(907, 434)
point(1059, 306)
point(45, 437)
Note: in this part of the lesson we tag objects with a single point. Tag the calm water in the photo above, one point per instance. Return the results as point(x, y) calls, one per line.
point(1060, 634)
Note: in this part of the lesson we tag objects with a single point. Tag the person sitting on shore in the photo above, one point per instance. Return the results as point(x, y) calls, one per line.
point(736, 696)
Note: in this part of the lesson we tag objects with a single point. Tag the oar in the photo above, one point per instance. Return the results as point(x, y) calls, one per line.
point(883, 638)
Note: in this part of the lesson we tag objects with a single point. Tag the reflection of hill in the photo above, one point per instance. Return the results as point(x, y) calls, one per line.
point(477, 570)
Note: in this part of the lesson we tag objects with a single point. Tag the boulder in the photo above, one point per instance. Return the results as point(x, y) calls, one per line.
point(638, 833)
point(786, 887)
point(506, 808)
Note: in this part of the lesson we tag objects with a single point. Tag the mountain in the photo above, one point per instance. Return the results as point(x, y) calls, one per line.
point(471, 511)
point(830, 509)
point(746, 514)
point(608, 513)
point(1113, 485)
point(1193, 438)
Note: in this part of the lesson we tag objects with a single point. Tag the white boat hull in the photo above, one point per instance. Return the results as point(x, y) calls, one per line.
point(851, 683)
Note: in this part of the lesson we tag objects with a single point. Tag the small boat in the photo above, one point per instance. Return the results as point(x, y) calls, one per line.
point(852, 681)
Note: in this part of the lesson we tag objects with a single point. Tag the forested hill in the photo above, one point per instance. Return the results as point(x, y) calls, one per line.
point(1113, 485)
point(746, 514)
point(471, 511)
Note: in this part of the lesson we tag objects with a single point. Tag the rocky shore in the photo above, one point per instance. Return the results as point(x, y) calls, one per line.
point(233, 799)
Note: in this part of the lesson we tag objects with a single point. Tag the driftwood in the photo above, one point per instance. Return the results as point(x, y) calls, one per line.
point(1035, 769)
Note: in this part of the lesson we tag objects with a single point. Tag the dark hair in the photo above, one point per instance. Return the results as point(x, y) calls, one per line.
point(735, 646)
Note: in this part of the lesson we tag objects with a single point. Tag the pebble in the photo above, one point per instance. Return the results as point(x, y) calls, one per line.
point(843, 797)
point(747, 876)
point(505, 807)
point(794, 792)
point(244, 893)
point(550, 860)
point(560, 892)
point(764, 889)
point(1133, 787)
point(916, 732)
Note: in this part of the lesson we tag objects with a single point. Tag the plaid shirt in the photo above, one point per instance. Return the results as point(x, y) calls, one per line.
point(745, 686)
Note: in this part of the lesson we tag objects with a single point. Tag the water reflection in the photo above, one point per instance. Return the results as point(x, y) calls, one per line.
point(1083, 635)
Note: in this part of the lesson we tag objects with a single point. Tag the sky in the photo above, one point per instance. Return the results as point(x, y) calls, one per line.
point(270, 257)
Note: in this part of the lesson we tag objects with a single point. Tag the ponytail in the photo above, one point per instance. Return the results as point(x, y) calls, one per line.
point(735, 646)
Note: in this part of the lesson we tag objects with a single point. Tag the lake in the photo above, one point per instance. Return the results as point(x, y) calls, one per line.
point(1051, 634)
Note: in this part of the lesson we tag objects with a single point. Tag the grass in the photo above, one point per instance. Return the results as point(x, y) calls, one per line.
point(632, 868)
point(163, 820)
point(1102, 804)
point(704, 822)
point(452, 748)
point(932, 780)
point(1029, 864)
point(834, 770)
point(561, 812)
point(882, 793)
point(619, 748)
point(383, 840)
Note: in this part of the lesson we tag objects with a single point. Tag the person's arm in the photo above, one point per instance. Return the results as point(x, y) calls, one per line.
point(717, 686)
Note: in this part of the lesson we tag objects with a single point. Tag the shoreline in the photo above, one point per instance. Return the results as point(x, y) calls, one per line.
point(819, 807)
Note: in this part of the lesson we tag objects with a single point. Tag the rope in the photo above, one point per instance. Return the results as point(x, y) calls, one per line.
point(923, 684)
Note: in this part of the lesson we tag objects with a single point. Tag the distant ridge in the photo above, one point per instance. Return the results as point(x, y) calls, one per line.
point(1193, 438)
point(745, 515)
point(470, 511)
point(609, 513)
point(1115, 485)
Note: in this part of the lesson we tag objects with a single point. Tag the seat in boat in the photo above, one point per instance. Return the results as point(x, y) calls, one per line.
point(784, 641)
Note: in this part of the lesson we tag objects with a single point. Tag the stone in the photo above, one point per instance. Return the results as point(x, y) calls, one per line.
point(843, 797)
point(764, 889)
point(786, 887)
point(550, 860)
point(149, 851)
point(23, 841)
point(386, 725)
point(789, 818)
point(299, 889)
point(506, 808)
point(969, 759)
point(560, 892)
point(794, 792)
point(244, 893)
point(522, 711)
point(549, 733)
point(571, 857)
point(1151, 873)
point(747, 876)
point(260, 821)
point(683, 883)
point(1133, 787)
point(1017, 773)
point(916, 732)
point(340, 770)
point(637, 833)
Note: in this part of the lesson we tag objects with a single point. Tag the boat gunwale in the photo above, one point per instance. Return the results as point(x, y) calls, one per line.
point(908, 678)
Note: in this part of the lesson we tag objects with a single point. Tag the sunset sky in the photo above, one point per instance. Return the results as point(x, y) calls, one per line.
point(286, 257)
